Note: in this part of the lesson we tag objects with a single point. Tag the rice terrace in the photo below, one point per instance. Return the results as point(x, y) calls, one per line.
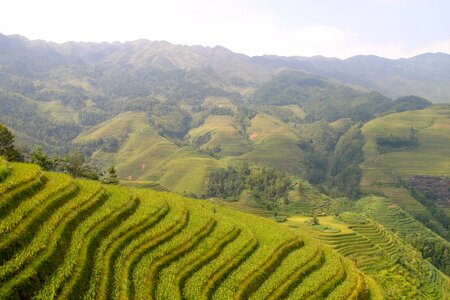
point(66, 238)
point(225, 150)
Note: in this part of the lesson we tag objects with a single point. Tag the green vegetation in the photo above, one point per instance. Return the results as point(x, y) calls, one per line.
point(344, 172)
point(394, 143)
point(384, 173)
point(111, 176)
point(274, 143)
point(381, 254)
point(23, 115)
point(428, 199)
point(5, 169)
point(258, 186)
point(169, 120)
point(410, 103)
point(431, 246)
point(79, 239)
point(260, 133)
point(7, 148)
point(320, 98)
point(332, 157)
point(222, 131)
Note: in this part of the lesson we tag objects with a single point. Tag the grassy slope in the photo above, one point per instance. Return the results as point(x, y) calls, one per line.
point(296, 110)
point(145, 155)
point(431, 157)
point(214, 101)
point(58, 111)
point(119, 243)
point(275, 144)
point(224, 132)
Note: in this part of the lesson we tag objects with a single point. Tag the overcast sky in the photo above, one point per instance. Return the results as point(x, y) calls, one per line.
point(334, 28)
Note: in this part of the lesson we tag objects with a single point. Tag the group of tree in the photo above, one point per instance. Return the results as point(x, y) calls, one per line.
point(23, 115)
point(170, 121)
point(7, 148)
point(429, 199)
point(436, 250)
point(74, 163)
point(392, 143)
point(265, 186)
point(331, 158)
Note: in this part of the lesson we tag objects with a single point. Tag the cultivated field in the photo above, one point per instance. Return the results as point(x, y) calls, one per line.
point(78, 239)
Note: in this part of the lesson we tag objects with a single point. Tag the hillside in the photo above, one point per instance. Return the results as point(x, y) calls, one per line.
point(341, 152)
point(142, 154)
point(66, 238)
point(382, 170)
point(58, 91)
point(378, 252)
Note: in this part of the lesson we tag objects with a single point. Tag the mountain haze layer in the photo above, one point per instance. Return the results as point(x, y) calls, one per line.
point(426, 75)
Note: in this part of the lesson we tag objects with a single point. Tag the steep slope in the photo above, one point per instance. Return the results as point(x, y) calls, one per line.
point(432, 246)
point(78, 239)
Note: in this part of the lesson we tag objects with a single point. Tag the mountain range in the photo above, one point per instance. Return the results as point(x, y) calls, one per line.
point(22, 60)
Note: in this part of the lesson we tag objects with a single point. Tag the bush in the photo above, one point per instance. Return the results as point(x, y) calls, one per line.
point(5, 170)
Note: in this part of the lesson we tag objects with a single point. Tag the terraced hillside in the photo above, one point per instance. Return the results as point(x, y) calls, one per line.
point(77, 239)
point(223, 132)
point(430, 157)
point(274, 144)
point(382, 254)
point(145, 155)
point(431, 245)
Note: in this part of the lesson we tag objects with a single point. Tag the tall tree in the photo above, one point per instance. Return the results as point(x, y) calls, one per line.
point(7, 148)
point(41, 158)
point(76, 164)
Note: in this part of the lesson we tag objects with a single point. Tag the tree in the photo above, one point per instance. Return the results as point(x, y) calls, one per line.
point(111, 176)
point(75, 163)
point(7, 148)
point(41, 158)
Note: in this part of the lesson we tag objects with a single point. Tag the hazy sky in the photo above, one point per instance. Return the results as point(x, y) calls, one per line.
point(340, 28)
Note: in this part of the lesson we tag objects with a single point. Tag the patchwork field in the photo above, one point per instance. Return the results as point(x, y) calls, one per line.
point(77, 239)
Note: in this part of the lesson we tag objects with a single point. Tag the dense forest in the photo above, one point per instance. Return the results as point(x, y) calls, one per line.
point(332, 158)
point(263, 186)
